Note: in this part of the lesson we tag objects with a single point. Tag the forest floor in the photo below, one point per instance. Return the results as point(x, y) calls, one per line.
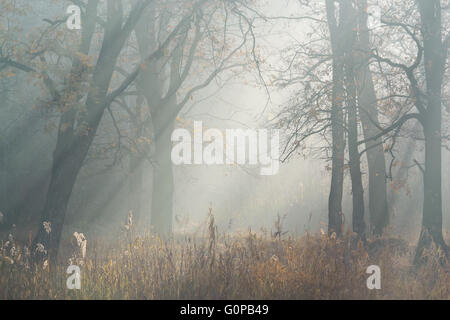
point(246, 266)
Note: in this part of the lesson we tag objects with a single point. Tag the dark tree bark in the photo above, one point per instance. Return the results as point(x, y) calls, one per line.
point(435, 52)
point(368, 113)
point(352, 119)
point(72, 145)
point(354, 158)
point(335, 214)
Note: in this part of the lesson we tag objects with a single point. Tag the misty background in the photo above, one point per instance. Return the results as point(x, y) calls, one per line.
point(239, 197)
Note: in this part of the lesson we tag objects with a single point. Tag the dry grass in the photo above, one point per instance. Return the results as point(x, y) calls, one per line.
point(246, 266)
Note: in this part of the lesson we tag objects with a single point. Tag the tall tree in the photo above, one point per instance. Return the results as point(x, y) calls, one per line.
point(176, 71)
point(350, 31)
point(433, 49)
point(435, 55)
point(150, 84)
point(335, 214)
point(78, 126)
point(72, 145)
point(368, 113)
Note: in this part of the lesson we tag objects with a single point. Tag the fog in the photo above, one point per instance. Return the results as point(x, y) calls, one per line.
point(237, 195)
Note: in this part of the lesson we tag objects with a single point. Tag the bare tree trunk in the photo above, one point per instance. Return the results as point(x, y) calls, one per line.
point(434, 61)
point(150, 84)
point(354, 160)
point(164, 110)
point(68, 156)
point(73, 144)
point(368, 113)
point(432, 207)
point(337, 174)
point(352, 120)
point(337, 123)
point(163, 186)
point(67, 161)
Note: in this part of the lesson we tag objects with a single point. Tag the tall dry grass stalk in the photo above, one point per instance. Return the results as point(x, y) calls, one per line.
point(246, 266)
